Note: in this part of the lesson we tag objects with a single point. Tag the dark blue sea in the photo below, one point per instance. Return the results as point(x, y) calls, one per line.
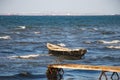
point(23, 42)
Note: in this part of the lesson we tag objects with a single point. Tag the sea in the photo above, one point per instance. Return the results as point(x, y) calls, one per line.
point(24, 55)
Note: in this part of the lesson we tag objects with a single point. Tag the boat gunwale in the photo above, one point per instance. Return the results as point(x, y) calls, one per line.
point(59, 48)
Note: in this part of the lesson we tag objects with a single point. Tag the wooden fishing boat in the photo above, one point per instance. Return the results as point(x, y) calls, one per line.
point(58, 50)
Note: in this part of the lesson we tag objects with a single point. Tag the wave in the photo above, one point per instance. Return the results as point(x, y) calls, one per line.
point(87, 42)
point(95, 29)
point(21, 27)
point(25, 56)
point(89, 29)
point(5, 37)
point(17, 32)
point(61, 44)
point(107, 32)
point(113, 47)
point(37, 32)
point(109, 42)
point(82, 29)
point(111, 58)
point(31, 56)
point(23, 75)
point(107, 58)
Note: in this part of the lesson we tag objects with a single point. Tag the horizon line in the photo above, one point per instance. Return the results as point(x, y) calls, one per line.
point(59, 14)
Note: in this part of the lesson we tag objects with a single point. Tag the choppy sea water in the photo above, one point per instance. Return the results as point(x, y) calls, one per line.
point(23, 44)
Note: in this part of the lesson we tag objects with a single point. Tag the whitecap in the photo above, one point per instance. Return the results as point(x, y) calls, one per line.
point(25, 56)
point(109, 42)
point(22, 27)
point(37, 32)
point(113, 47)
point(61, 44)
point(5, 37)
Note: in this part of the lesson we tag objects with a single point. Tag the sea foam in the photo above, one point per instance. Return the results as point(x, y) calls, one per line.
point(37, 32)
point(113, 47)
point(5, 37)
point(61, 44)
point(22, 27)
point(109, 42)
point(25, 56)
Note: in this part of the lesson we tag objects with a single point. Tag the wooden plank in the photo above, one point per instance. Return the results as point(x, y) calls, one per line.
point(86, 67)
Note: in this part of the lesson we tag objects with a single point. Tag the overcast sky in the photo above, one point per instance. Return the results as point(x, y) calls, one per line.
point(60, 7)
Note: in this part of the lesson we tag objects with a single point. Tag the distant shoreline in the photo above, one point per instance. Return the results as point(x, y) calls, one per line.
point(59, 15)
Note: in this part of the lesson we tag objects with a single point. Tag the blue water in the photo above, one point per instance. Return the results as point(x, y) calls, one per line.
point(26, 36)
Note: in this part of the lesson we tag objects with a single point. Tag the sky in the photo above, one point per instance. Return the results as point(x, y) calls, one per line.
point(60, 7)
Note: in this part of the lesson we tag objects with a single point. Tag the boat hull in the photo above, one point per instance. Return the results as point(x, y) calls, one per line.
point(70, 53)
point(57, 51)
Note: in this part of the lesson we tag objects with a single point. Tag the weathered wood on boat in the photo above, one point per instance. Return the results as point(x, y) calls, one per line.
point(58, 50)
point(86, 67)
